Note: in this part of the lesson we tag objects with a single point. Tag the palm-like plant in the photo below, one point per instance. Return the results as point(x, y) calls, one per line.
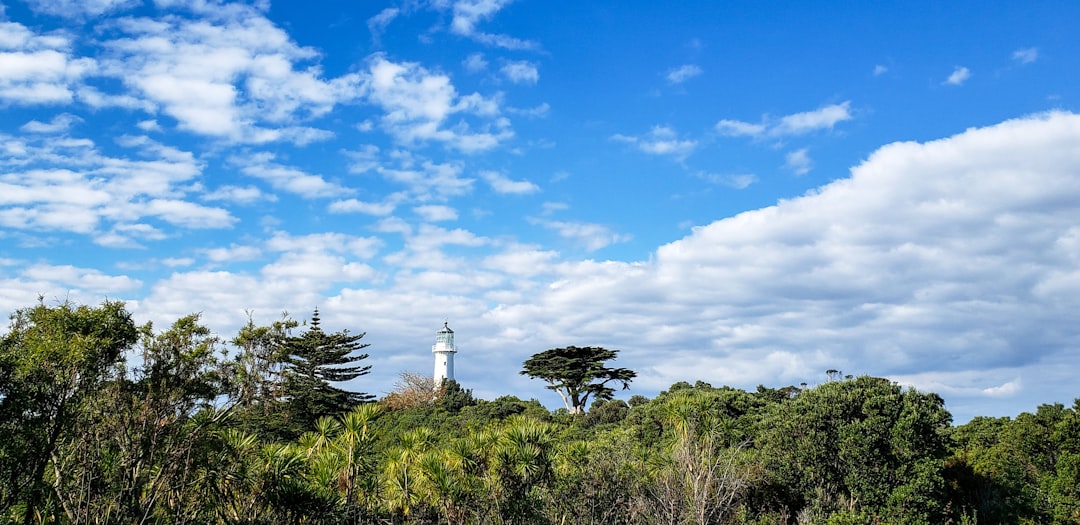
point(523, 465)
point(354, 445)
point(403, 473)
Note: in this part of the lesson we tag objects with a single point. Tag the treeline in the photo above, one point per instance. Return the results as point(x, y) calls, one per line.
point(104, 421)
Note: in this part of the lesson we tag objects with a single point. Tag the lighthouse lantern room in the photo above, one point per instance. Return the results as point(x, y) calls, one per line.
point(444, 354)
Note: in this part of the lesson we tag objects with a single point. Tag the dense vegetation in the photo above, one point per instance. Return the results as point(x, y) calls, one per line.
point(103, 421)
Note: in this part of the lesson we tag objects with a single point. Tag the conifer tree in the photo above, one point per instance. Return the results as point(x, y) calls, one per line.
point(577, 373)
point(313, 362)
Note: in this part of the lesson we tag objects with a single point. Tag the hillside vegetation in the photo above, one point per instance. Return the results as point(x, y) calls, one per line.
point(104, 421)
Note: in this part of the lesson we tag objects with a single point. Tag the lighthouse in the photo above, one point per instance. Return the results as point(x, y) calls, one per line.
point(444, 355)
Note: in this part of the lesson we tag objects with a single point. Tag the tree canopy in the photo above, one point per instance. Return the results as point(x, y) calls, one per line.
point(177, 436)
point(578, 373)
point(313, 362)
point(51, 360)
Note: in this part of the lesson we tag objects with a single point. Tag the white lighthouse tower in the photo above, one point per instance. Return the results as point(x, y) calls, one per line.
point(444, 355)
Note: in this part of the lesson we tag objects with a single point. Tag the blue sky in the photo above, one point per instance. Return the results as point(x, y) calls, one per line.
point(741, 193)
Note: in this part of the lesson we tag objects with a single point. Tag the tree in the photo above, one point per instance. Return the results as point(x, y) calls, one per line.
point(137, 439)
point(412, 389)
point(51, 361)
point(254, 378)
point(858, 446)
point(314, 360)
point(577, 373)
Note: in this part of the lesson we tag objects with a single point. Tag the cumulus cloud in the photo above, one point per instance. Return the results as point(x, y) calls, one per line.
point(436, 213)
point(378, 209)
point(467, 15)
point(959, 75)
point(231, 74)
point(660, 140)
point(799, 161)
point(503, 184)
point(823, 118)
point(930, 257)
point(521, 72)
point(80, 8)
point(38, 69)
point(58, 183)
point(683, 73)
point(418, 103)
point(736, 128)
point(239, 195)
point(880, 70)
point(59, 123)
point(425, 180)
point(475, 63)
point(590, 236)
point(287, 178)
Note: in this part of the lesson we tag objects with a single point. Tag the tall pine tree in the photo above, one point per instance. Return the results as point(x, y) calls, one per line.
point(312, 362)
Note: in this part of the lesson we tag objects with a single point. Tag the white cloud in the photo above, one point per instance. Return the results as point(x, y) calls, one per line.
point(149, 125)
point(469, 13)
point(503, 184)
point(661, 140)
point(1004, 390)
point(539, 111)
point(418, 103)
point(521, 72)
point(425, 180)
point(378, 209)
point(959, 75)
point(38, 69)
point(590, 236)
point(233, 253)
point(683, 73)
point(738, 128)
point(80, 8)
point(823, 118)
point(928, 258)
point(59, 123)
point(1026, 55)
point(738, 181)
point(293, 180)
point(436, 213)
point(880, 70)
point(475, 63)
point(239, 195)
point(86, 279)
point(188, 214)
point(66, 184)
point(378, 23)
point(232, 74)
point(799, 161)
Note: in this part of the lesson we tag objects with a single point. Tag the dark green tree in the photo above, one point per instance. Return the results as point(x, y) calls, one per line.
point(578, 373)
point(858, 448)
point(313, 362)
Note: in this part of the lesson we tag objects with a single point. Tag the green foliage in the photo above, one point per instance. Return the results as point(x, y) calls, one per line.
point(183, 434)
point(51, 360)
point(253, 378)
point(313, 362)
point(578, 373)
point(865, 443)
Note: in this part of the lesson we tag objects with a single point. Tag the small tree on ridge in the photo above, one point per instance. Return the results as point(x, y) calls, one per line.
point(578, 373)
